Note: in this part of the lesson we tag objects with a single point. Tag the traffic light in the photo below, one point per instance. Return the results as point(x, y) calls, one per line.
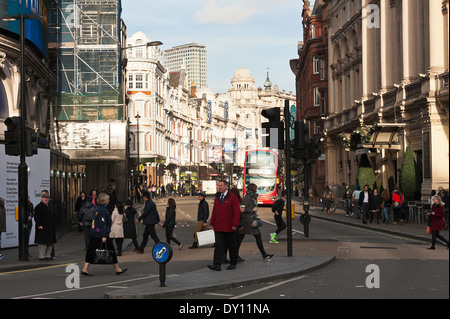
point(273, 130)
point(314, 148)
point(32, 139)
point(12, 136)
point(301, 140)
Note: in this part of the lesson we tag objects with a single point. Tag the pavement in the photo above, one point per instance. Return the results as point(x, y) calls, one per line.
point(69, 249)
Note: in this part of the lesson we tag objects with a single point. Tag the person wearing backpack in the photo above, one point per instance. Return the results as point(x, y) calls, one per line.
point(277, 210)
point(86, 216)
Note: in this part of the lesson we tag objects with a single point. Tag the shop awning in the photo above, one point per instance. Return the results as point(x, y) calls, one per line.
point(386, 136)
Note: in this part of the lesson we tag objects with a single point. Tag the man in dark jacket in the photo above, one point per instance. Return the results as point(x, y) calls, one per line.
point(225, 219)
point(364, 203)
point(45, 229)
point(202, 217)
point(150, 218)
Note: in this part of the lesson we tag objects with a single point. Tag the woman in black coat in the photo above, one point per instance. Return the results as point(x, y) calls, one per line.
point(375, 201)
point(170, 222)
point(129, 227)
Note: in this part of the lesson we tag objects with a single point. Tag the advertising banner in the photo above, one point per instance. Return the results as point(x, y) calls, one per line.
point(36, 30)
point(38, 180)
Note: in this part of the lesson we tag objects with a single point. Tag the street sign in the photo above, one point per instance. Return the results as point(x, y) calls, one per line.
point(162, 254)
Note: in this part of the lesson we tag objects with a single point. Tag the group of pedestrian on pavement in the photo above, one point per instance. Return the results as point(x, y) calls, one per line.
point(369, 204)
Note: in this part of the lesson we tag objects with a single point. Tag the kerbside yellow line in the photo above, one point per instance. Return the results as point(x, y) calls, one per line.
point(34, 269)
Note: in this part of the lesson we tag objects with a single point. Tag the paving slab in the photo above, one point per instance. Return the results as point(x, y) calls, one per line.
point(253, 270)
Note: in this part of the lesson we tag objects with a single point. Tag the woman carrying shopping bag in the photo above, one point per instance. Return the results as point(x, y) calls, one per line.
point(99, 235)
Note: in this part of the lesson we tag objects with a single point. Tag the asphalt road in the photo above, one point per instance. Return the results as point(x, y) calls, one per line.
point(404, 268)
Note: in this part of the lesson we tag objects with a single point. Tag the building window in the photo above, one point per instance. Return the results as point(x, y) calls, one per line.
point(322, 69)
point(322, 103)
point(313, 31)
point(130, 81)
point(316, 97)
point(139, 81)
point(248, 133)
point(315, 65)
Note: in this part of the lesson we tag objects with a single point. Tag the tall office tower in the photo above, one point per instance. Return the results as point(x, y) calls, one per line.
point(191, 57)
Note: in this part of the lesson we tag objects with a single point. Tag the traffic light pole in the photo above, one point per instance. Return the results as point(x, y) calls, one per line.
point(287, 122)
point(23, 167)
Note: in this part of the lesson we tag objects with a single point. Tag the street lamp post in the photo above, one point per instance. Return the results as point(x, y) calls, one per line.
point(23, 167)
point(137, 117)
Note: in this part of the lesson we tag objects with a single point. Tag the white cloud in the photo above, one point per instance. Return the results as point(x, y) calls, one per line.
point(224, 12)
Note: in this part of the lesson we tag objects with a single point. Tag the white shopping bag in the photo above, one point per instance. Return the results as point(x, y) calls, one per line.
point(206, 237)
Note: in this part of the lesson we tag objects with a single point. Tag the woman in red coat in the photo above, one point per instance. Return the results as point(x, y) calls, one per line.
point(436, 222)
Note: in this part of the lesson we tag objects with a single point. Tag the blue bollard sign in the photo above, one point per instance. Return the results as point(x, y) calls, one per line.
point(162, 254)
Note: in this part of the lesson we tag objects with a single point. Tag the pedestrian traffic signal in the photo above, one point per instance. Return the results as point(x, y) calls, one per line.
point(273, 130)
point(301, 140)
point(12, 136)
point(314, 148)
point(32, 139)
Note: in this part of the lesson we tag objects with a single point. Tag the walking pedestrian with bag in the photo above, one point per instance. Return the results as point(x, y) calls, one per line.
point(99, 237)
point(249, 223)
point(170, 222)
point(436, 221)
point(225, 221)
point(202, 217)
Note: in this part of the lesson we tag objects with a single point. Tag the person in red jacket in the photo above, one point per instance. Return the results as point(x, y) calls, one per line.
point(397, 205)
point(436, 222)
point(225, 221)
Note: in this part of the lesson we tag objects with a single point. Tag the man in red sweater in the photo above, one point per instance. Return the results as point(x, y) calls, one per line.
point(225, 221)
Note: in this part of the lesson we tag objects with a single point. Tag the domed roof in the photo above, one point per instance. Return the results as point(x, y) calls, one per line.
point(242, 74)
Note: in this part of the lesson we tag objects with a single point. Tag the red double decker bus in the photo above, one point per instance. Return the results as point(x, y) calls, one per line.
point(260, 168)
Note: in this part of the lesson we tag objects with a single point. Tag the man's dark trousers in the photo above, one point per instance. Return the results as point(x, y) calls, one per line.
point(223, 241)
point(149, 230)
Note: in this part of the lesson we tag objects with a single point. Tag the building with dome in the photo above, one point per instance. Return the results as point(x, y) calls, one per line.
point(249, 101)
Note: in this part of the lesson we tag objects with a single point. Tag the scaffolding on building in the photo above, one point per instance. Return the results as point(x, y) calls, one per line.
point(87, 37)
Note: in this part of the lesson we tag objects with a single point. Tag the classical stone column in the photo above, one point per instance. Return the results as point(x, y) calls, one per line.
point(410, 29)
point(387, 45)
point(437, 41)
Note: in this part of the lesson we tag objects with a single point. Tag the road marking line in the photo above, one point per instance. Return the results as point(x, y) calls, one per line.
point(217, 294)
point(293, 230)
point(83, 288)
point(34, 269)
point(268, 287)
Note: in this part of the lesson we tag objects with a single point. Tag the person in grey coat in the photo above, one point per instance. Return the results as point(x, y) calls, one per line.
point(250, 201)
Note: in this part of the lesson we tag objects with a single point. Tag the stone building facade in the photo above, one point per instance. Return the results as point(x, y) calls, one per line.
point(389, 67)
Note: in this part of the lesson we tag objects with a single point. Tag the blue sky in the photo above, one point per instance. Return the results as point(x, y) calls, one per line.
point(255, 34)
